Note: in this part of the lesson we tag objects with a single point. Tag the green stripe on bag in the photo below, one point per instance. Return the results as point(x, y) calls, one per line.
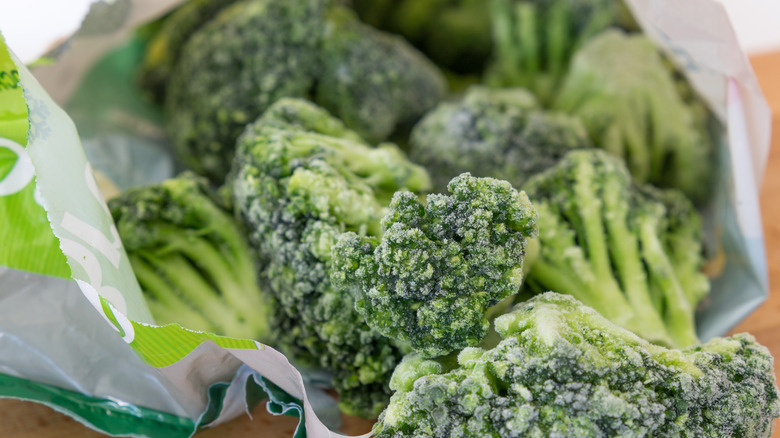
point(26, 238)
point(109, 416)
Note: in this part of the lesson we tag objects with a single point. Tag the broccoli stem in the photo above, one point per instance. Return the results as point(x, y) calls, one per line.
point(624, 250)
point(678, 310)
point(508, 56)
point(525, 32)
point(166, 305)
point(558, 24)
point(591, 227)
point(231, 272)
point(196, 290)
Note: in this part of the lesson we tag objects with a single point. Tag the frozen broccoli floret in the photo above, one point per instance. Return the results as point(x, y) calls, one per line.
point(455, 34)
point(297, 191)
point(301, 114)
point(627, 97)
point(440, 265)
point(258, 51)
point(192, 260)
point(629, 252)
point(501, 133)
point(169, 37)
point(534, 40)
point(562, 370)
point(232, 69)
point(371, 80)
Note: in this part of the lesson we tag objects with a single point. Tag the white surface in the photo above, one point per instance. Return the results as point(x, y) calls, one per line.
point(32, 26)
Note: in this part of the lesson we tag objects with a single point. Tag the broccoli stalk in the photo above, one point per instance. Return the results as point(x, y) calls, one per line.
point(439, 266)
point(561, 369)
point(191, 259)
point(612, 246)
point(297, 190)
point(534, 40)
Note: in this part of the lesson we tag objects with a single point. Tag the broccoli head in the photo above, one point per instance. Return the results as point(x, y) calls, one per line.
point(440, 265)
point(500, 133)
point(297, 190)
point(191, 259)
point(233, 68)
point(534, 40)
point(628, 99)
point(562, 370)
point(257, 51)
point(170, 35)
point(629, 252)
point(371, 80)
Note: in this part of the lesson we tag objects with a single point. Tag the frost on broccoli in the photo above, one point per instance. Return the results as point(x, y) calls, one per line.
point(233, 68)
point(440, 265)
point(257, 51)
point(632, 253)
point(297, 190)
point(534, 40)
point(500, 133)
point(562, 370)
point(372, 80)
point(192, 260)
point(628, 99)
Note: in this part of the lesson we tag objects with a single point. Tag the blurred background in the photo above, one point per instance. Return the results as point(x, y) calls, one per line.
point(31, 26)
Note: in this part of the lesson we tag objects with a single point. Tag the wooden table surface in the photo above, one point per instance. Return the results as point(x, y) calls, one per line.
point(26, 420)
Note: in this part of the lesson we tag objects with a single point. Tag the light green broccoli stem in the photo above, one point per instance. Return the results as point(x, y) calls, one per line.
point(234, 276)
point(624, 249)
point(589, 211)
point(558, 40)
point(181, 276)
point(167, 306)
point(573, 274)
point(239, 310)
point(678, 312)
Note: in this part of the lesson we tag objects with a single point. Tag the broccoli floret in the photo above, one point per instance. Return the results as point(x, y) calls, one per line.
point(626, 251)
point(455, 34)
point(191, 259)
point(297, 191)
point(258, 51)
point(440, 265)
point(500, 133)
point(232, 69)
point(371, 80)
point(534, 40)
point(562, 370)
point(166, 43)
point(627, 97)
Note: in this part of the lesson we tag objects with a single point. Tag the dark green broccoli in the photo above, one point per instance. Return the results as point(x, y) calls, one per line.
point(629, 252)
point(440, 265)
point(258, 51)
point(297, 191)
point(499, 133)
point(192, 260)
point(169, 36)
point(534, 40)
point(628, 99)
point(455, 34)
point(562, 370)
point(367, 76)
point(232, 69)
